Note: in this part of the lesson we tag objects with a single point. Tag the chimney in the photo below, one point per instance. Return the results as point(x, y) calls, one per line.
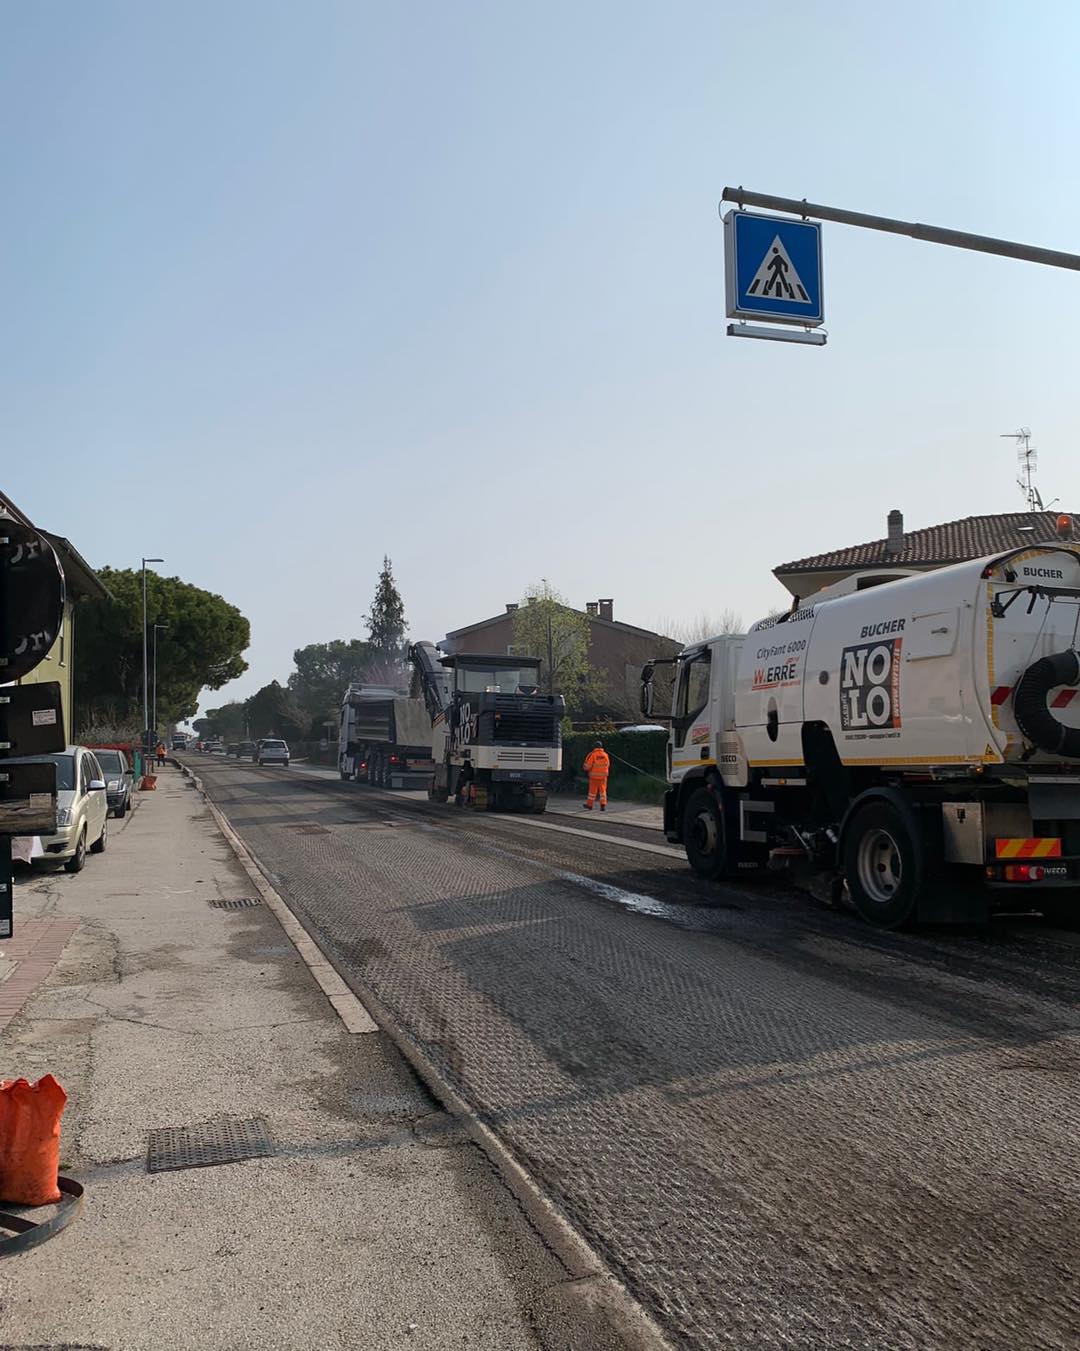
point(895, 543)
point(591, 608)
point(511, 606)
point(606, 609)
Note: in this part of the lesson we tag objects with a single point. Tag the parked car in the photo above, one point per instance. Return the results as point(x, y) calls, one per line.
point(271, 751)
point(247, 751)
point(82, 807)
point(119, 780)
point(233, 748)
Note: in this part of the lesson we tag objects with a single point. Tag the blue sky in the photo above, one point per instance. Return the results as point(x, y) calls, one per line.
point(287, 287)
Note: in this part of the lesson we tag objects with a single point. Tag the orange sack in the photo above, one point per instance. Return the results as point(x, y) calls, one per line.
point(30, 1140)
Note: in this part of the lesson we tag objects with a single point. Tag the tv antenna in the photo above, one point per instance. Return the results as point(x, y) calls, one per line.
point(1028, 458)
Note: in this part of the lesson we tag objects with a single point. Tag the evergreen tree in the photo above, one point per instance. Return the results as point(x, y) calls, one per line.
point(386, 620)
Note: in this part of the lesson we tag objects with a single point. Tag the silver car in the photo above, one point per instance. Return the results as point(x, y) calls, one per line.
point(270, 751)
point(119, 780)
point(81, 807)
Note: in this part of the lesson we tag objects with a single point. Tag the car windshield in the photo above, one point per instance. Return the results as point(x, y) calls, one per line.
point(272, 745)
point(506, 679)
point(110, 761)
point(65, 768)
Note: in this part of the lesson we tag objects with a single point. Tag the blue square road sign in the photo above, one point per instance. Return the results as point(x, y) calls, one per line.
point(773, 266)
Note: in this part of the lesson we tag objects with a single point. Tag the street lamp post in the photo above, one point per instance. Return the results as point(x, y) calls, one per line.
point(145, 663)
point(157, 629)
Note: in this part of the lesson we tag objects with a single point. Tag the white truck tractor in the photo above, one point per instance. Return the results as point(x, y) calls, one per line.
point(911, 741)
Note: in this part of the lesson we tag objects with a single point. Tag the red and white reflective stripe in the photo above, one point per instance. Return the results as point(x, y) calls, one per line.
point(1062, 700)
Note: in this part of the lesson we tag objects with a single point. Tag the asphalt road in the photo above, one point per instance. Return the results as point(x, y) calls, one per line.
point(780, 1128)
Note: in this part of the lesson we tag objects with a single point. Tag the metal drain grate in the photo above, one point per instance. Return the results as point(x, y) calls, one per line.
point(308, 828)
point(207, 1144)
point(234, 902)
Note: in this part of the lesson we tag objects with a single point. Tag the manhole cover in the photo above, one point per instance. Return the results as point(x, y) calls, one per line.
point(308, 828)
point(207, 1144)
point(234, 902)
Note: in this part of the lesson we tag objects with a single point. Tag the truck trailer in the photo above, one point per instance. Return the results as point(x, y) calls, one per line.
point(384, 738)
point(496, 740)
point(910, 743)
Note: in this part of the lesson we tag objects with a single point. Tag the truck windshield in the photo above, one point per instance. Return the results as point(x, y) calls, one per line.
point(506, 679)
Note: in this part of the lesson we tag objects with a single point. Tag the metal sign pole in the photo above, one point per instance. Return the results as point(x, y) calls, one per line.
point(7, 900)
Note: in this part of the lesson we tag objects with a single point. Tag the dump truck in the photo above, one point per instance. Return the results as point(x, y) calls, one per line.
point(384, 738)
point(496, 741)
point(909, 744)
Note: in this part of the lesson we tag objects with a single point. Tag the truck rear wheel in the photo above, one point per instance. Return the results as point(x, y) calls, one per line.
point(703, 835)
point(884, 863)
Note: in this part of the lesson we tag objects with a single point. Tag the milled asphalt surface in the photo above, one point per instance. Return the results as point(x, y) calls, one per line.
point(376, 1223)
point(780, 1127)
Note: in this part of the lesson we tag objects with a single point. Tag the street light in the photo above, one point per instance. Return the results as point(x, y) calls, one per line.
point(145, 672)
point(157, 629)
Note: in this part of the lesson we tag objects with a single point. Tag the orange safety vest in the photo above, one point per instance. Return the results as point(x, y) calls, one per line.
point(597, 764)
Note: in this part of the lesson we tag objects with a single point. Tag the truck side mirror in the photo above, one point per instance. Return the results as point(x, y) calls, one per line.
point(647, 690)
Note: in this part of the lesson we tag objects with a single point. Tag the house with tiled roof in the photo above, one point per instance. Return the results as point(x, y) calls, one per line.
point(934, 546)
point(616, 651)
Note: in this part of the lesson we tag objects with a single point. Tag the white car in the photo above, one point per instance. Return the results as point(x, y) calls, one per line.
point(82, 806)
point(271, 751)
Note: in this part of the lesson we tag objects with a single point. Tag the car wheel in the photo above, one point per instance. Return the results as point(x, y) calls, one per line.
point(703, 835)
point(99, 846)
point(884, 864)
point(77, 862)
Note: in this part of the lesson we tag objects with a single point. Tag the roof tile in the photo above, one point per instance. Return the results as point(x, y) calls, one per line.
point(952, 542)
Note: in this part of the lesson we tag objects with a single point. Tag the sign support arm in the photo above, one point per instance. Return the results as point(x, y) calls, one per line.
point(931, 234)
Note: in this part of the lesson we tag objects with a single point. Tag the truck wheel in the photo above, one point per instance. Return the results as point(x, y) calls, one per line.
point(884, 863)
point(703, 835)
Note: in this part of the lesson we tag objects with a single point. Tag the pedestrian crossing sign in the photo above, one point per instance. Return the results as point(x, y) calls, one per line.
point(773, 266)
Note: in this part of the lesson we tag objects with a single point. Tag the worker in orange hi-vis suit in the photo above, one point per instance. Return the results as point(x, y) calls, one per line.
point(597, 765)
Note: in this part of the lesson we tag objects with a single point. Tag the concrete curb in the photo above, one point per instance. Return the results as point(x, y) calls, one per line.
point(345, 1004)
point(599, 1291)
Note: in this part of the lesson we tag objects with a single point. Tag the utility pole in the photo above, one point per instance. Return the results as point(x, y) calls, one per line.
point(145, 661)
point(157, 629)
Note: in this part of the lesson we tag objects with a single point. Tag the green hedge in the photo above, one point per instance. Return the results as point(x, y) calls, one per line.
point(635, 756)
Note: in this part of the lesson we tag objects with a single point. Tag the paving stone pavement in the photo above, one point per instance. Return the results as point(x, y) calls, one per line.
point(27, 958)
point(782, 1129)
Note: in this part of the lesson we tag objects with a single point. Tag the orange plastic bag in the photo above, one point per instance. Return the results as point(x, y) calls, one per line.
point(30, 1140)
point(149, 782)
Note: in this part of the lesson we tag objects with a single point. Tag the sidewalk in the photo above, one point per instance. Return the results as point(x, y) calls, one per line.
point(374, 1224)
